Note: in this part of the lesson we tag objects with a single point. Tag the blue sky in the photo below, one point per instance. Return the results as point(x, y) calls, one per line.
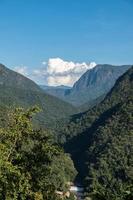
point(32, 31)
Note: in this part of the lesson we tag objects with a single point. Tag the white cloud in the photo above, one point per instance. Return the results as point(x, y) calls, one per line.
point(62, 72)
point(57, 65)
point(57, 72)
point(22, 70)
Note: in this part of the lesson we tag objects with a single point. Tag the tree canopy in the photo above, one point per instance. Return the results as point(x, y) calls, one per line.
point(31, 165)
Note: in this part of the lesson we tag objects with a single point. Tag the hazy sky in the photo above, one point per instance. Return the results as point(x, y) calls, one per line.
point(34, 31)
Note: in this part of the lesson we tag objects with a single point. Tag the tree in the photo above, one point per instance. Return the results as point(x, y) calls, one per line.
point(27, 160)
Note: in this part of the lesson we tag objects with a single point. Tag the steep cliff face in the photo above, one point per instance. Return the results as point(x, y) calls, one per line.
point(94, 83)
point(99, 75)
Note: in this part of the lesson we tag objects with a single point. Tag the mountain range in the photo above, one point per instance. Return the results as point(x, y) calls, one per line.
point(95, 83)
point(99, 140)
point(58, 102)
point(17, 90)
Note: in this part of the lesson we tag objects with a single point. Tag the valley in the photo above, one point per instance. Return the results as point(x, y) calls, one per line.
point(66, 99)
point(64, 142)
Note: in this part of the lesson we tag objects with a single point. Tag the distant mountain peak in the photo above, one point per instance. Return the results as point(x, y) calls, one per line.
point(95, 82)
point(92, 65)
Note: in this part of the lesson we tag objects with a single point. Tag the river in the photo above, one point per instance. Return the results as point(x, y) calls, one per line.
point(78, 191)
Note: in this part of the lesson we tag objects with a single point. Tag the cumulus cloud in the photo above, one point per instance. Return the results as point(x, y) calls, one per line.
point(62, 72)
point(57, 72)
point(59, 66)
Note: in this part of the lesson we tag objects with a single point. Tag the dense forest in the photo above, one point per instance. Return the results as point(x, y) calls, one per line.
point(101, 143)
point(32, 166)
point(93, 148)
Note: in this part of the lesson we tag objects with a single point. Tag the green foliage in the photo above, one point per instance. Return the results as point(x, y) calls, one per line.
point(61, 165)
point(52, 108)
point(110, 173)
point(19, 91)
point(29, 162)
point(102, 139)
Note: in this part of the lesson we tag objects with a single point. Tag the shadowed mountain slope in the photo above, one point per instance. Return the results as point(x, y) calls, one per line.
point(17, 90)
point(102, 132)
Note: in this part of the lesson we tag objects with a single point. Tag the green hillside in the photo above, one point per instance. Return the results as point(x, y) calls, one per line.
point(109, 167)
point(81, 122)
point(101, 142)
point(17, 90)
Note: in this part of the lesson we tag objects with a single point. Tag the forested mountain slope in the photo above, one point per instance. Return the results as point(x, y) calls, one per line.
point(104, 142)
point(109, 158)
point(17, 90)
point(9, 78)
point(32, 165)
point(119, 93)
point(58, 91)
